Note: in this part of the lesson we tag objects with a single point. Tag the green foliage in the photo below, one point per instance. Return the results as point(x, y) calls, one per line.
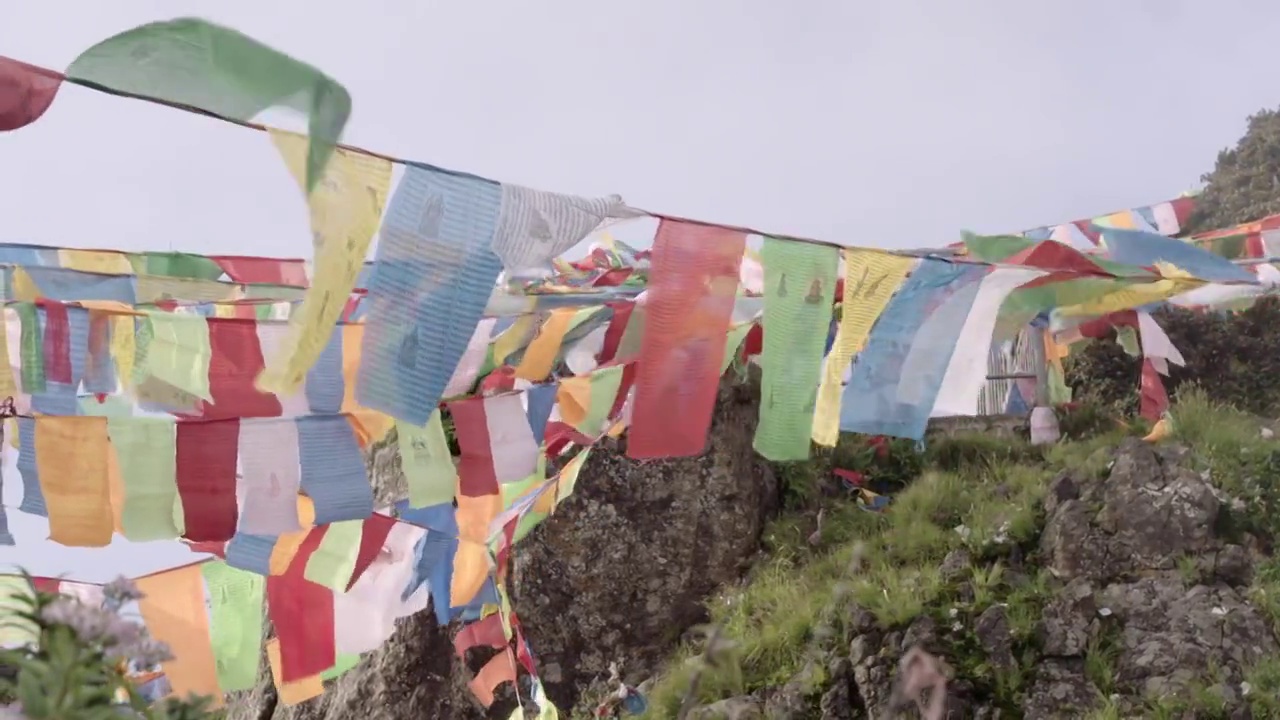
point(1235, 354)
point(798, 603)
point(74, 667)
point(1245, 182)
point(1240, 460)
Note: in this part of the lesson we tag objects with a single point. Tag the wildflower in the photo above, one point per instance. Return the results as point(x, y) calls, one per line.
point(120, 592)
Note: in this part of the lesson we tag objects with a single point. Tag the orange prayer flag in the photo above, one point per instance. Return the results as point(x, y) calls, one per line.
point(291, 693)
point(173, 608)
point(71, 452)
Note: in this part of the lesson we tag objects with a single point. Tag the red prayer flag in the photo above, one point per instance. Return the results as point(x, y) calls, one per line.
point(57, 342)
point(487, 632)
point(206, 467)
point(373, 535)
point(617, 327)
point(476, 475)
point(26, 92)
point(694, 279)
point(302, 613)
point(269, 271)
point(234, 364)
point(1155, 400)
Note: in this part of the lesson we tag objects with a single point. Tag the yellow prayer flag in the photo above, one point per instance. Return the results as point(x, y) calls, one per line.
point(8, 385)
point(513, 338)
point(71, 452)
point(870, 279)
point(345, 207)
point(370, 425)
point(574, 398)
point(291, 693)
point(106, 262)
point(24, 288)
point(1175, 281)
point(123, 347)
point(471, 561)
point(173, 608)
point(541, 354)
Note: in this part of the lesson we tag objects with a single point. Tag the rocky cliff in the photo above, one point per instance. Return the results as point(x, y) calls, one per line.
point(1104, 577)
point(615, 576)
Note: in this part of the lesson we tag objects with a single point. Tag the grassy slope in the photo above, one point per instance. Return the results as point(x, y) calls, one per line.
point(977, 494)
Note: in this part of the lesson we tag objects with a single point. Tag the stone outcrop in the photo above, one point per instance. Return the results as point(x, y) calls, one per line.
point(617, 575)
point(1142, 580)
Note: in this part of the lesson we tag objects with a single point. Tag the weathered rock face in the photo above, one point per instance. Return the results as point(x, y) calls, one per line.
point(1118, 543)
point(616, 575)
point(1140, 575)
point(623, 569)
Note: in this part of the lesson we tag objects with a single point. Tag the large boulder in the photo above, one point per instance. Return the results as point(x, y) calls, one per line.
point(616, 575)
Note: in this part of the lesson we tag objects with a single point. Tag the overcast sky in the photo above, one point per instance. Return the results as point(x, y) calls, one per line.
point(873, 122)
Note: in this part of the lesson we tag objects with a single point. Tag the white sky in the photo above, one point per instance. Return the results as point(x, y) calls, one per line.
point(894, 123)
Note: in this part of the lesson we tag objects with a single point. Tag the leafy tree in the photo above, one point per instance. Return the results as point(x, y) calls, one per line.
point(1245, 182)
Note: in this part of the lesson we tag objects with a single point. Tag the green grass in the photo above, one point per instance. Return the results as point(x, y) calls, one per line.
point(984, 496)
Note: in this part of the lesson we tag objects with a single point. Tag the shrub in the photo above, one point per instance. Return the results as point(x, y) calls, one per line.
point(75, 665)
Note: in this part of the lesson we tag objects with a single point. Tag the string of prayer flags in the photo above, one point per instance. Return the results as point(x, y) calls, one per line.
point(146, 450)
point(896, 379)
point(72, 453)
point(435, 270)
point(695, 279)
point(427, 462)
point(235, 617)
point(173, 607)
point(870, 280)
point(345, 209)
point(586, 403)
point(799, 283)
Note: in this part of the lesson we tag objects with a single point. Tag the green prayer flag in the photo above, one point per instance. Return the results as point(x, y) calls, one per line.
point(175, 264)
point(333, 562)
point(235, 623)
point(176, 352)
point(345, 662)
point(146, 450)
point(1128, 339)
point(193, 62)
point(604, 384)
point(799, 285)
point(31, 347)
point(427, 463)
